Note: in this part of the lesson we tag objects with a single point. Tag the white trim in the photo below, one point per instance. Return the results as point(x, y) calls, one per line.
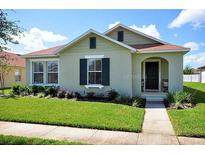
point(162, 51)
point(159, 82)
point(94, 56)
point(99, 34)
point(44, 82)
point(135, 31)
point(94, 86)
point(38, 56)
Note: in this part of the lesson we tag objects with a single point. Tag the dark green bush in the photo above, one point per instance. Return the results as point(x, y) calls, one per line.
point(112, 95)
point(138, 102)
point(34, 89)
point(20, 90)
point(78, 95)
point(90, 95)
point(52, 91)
point(124, 100)
point(69, 95)
point(61, 94)
point(16, 89)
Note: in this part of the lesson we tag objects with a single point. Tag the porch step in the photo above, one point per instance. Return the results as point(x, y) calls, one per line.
point(154, 98)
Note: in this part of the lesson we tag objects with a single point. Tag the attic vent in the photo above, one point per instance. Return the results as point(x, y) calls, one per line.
point(120, 36)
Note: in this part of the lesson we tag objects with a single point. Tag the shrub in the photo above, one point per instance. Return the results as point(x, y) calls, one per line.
point(40, 95)
point(179, 99)
point(20, 90)
point(52, 91)
point(61, 94)
point(69, 95)
point(138, 102)
point(90, 95)
point(124, 100)
point(77, 95)
point(16, 89)
point(112, 95)
point(34, 89)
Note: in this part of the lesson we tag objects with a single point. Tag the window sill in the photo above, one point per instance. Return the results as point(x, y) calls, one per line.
point(94, 86)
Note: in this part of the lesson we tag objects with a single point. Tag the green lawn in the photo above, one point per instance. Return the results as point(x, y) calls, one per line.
point(6, 91)
point(17, 140)
point(191, 122)
point(72, 113)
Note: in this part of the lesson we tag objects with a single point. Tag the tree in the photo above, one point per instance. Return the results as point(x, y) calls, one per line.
point(9, 30)
point(4, 69)
point(188, 70)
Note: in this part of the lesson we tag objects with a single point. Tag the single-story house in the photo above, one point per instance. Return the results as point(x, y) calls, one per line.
point(124, 59)
point(17, 69)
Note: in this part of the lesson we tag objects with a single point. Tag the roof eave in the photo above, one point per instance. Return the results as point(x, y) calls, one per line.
point(38, 56)
point(163, 51)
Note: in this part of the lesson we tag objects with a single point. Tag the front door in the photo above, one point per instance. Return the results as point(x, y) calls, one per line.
point(151, 76)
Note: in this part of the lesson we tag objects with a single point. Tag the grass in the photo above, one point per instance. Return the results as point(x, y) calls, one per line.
point(72, 113)
point(6, 91)
point(18, 140)
point(191, 122)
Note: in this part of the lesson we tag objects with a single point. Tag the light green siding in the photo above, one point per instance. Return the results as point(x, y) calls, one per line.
point(130, 37)
point(120, 66)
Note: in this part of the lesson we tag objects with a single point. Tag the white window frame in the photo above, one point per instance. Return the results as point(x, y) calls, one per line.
point(45, 71)
point(37, 72)
point(51, 72)
point(93, 71)
point(17, 74)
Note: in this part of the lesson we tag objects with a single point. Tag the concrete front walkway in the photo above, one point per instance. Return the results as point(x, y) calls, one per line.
point(157, 128)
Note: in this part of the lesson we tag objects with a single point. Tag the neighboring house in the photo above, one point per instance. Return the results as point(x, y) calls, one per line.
point(122, 58)
point(17, 72)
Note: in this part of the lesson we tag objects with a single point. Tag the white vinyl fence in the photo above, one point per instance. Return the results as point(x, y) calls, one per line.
point(192, 78)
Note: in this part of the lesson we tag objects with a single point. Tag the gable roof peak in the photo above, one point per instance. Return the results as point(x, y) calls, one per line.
point(134, 31)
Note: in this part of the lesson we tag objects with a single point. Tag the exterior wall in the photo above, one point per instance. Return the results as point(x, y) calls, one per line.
point(175, 70)
point(203, 76)
point(131, 38)
point(10, 77)
point(120, 66)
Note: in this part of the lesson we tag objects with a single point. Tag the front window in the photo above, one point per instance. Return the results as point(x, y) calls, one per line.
point(17, 75)
point(52, 72)
point(38, 72)
point(45, 72)
point(94, 71)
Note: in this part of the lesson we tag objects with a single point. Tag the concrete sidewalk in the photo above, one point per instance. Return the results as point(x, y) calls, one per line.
point(157, 128)
point(90, 136)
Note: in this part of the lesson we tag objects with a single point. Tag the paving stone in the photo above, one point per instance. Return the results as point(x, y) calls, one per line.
point(114, 137)
point(191, 141)
point(156, 139)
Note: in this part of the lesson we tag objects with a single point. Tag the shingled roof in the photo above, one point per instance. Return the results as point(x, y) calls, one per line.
point(13, 59)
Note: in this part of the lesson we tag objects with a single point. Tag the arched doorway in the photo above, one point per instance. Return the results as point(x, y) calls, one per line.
point(155, 74)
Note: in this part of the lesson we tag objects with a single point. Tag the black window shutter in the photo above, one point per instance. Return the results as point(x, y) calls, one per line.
point(92, 42)
point(120, 36)
point(83, 71)
point(106, 71)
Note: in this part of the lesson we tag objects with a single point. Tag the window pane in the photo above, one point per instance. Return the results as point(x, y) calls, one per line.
point(52, 77)
point(98, 65)
point(38, 78)
point(38, 66)
point(120, 36)
point(98, 77)
point(52, 67)
point(91, 63)
point(91, 78)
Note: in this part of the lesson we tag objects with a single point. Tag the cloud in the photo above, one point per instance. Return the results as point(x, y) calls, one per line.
point(197, 59)
point(113, 24)
point(192, 45)
point(35, 39)
point(195, 17)
point(149, 30)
